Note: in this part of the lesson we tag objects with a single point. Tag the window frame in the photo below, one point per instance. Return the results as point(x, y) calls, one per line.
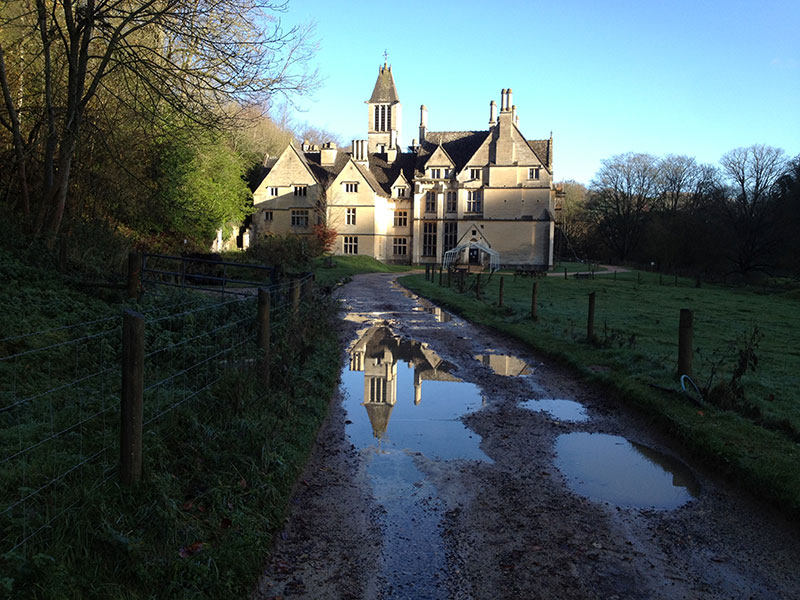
point(449, 235)
point(400, 246)
point(268, 216)
point(429, 232)
point(534, 173)
point(401, 218)
point(351, 187)
point(475, 201)
point(301, 191)
point(273, 191)
point(451, 201)
point(430, 201)
point(350, 244)
point(350, 216)
point(475, 172)
point(299, 218)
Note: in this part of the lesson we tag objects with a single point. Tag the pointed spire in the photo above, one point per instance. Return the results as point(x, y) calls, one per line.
point(385, 90)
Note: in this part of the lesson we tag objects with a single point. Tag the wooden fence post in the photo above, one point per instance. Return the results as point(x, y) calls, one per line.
point(685, 337)
point(590, 320)
point(130, 431)
point(264, 302)
point(295, 295)
point(533, 299)
point(134, 274)
point(500, 299)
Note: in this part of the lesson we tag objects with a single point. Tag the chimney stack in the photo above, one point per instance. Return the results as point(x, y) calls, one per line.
point(327, 155)
point(514, 117)
point(360, 150)
point(508, 99)
point(423, 123)
point(492, 112)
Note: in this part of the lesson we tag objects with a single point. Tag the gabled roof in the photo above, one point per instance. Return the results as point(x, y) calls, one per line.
point(439, 157)
point(541, 148)
point(459, 145)
point(385, 90)
point(369, 177)
point(386, 174)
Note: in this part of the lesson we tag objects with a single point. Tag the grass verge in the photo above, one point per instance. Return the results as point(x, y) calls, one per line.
point(218, 470)
point(634, 355)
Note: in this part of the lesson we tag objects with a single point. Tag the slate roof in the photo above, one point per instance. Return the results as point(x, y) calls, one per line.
point(325, 175)
point(542, 150)
point(459, 145)
point(385, 90)
point(386, 174)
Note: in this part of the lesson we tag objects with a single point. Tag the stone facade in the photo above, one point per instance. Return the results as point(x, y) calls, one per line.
point(490, 189)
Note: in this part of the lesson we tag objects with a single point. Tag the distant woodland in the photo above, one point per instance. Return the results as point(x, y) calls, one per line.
point(738, 220)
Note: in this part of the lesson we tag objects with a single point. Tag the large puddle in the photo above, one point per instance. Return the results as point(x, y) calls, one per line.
point(402, 400)
point(611, 469)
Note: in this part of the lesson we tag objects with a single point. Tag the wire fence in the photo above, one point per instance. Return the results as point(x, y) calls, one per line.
point(60, 392)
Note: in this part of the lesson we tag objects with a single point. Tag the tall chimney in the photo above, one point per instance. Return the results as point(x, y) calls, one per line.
point(423, 123)
point(503, 100)
point(514, 117)
point(508, 99)
point(492, 112)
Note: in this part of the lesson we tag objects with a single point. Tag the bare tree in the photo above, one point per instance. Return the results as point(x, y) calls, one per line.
point(752, 175)
point(619, 197)
point(181, 57)
point(677, 179)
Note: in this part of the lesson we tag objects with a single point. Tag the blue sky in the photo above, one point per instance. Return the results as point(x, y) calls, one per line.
point(606, 77)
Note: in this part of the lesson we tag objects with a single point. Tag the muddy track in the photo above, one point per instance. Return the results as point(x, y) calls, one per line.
point(509, 526)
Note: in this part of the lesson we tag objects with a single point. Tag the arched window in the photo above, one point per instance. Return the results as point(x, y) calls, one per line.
point(377, 117)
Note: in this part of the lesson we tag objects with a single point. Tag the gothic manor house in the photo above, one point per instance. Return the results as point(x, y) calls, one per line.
point(489, 193)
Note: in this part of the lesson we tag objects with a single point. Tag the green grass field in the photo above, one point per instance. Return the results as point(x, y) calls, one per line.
point(754, 440)
point(344, 267)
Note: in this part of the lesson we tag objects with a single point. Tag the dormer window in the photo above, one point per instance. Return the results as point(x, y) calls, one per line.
point(400, 192)
point(448, 173)
point(533, 173)
point(436, 173)
point(351, 187)
point(273, 191)
point(300, 190)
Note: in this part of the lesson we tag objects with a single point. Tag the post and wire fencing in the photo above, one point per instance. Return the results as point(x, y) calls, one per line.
point(75, 400)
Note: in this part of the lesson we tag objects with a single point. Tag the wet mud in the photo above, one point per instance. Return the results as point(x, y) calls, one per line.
point(456, 464)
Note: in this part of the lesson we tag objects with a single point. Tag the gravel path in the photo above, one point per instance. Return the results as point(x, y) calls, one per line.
point(508, 525)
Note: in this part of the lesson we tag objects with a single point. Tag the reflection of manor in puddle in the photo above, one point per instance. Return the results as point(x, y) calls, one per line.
point(503, 364)
point(377, 353)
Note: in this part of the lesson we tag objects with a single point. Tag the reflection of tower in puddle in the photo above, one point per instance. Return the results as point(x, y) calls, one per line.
point(377, 352)
point(380, 390)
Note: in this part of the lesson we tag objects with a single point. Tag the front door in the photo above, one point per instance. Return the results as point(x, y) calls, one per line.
point(474, 256)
